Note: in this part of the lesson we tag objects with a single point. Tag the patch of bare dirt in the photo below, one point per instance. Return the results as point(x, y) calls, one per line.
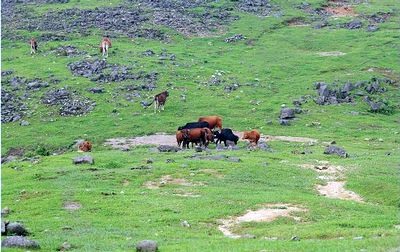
point(296, 22)
point(388, 73)
point(212, 172)
point(186, 194)
point(331, 54)
point(125, 182)
point(124, 143)
point(169, 180)
point(268, 213)
point(72, 206)
point(336, 190)
point(341, 11)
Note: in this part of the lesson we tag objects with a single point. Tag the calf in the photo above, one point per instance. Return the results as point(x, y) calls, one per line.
point(159, 100)
point(179, 137)
point(224, 135)
point(193, 125)
point(104, 45)
point(253, 136)
point(85, 146)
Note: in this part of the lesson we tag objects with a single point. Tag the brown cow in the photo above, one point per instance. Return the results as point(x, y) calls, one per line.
point(253, 136)
point(213, 121)
point(159, 100)
point(85, 146)
point(179, 137)
point(195, 136)
point(104, 45)
point(34, 45)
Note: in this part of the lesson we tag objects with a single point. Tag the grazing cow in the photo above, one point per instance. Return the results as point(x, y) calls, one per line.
point(196, 136)
point(253, 136)
point(34, 45)
point(224, 135)
point(104, 45)
point(213, 121)
point(193, 125)
point(209, 136)
point(85, 146)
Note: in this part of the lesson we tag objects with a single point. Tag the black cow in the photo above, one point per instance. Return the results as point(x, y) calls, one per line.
point(224, 135)
point(194, 125)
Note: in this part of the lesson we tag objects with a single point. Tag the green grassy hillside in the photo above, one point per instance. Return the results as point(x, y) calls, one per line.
point(245, 82)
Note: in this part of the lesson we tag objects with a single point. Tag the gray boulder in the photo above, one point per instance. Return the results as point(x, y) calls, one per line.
point(19, 242)
point(83, 160)
point(3, 228)
point(335, 150)
point(287, 113)
point(168, 148)
point(284, 122)
point(147, 246)
point(15, 228)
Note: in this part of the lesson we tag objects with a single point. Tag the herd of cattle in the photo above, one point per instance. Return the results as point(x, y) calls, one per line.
point(201, 132)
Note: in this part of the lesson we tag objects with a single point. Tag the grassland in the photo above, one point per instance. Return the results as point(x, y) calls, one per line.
point(279, 65)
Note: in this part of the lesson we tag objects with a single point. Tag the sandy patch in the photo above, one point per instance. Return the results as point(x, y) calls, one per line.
point(341, 11)
point(71, 206)
point(268, 213)
point(336, 190)
point(330, 174)
point(328, 54)
point(168, 180)
point(125, 182)
point(212, 172)
point(124, 143)
point(187, 195)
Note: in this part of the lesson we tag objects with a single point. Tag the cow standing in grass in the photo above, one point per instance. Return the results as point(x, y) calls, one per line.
point(253, 136)
point(104, 46)
point(34, 45)
point(159, 101)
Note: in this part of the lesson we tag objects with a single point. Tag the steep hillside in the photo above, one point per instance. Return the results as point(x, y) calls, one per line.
point(335, 63)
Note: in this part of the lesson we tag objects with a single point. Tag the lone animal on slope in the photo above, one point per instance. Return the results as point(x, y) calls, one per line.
point(253, 136)
point(213, 121)
point(34, 45)
point(85, 146)
point(105, 44)
point(159, 101)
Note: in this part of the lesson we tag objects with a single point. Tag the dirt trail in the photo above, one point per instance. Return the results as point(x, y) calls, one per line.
point(268, 213)
point(124, 143)
point(335, 183)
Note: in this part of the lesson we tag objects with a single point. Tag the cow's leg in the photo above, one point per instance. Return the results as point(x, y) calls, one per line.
point(225, 142)
point(106, 50)
point(155, 106)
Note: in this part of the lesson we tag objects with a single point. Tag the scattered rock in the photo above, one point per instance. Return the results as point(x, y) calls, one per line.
point(68, 51)
point(96, 90)
point(65, 246)
point(3, 228)
point(332, 149)
point(235, 38)
point(24, 123)
point(168, 148)
point(147, 246)
point(148, 53)
point(355, 24)
point(19, 242)
point(287, 113)
point(12, 108)
point(185, 224)
point(295, 238)
point(5, 211)
point(15, 228)
point(83, 160)
point(259, 7)
point(284, 122)
point(372, 28)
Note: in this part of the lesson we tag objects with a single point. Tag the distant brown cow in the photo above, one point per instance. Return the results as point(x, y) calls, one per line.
point(85, 146)
point(34, 45)
point(159, 100)
point(196, 136)
point(213, 121)
point(104, 45)
point(253, 136)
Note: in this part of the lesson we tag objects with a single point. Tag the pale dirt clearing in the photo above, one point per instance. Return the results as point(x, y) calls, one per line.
point(331, 54)
point(268, 213)
point(336, 190)
point(124, 143)
point(169, 180)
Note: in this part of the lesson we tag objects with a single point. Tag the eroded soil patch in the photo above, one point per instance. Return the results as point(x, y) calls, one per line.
point(336, 190)
point(268, 213)
point(341, 11)
point(71, 205)
point(169, 180)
